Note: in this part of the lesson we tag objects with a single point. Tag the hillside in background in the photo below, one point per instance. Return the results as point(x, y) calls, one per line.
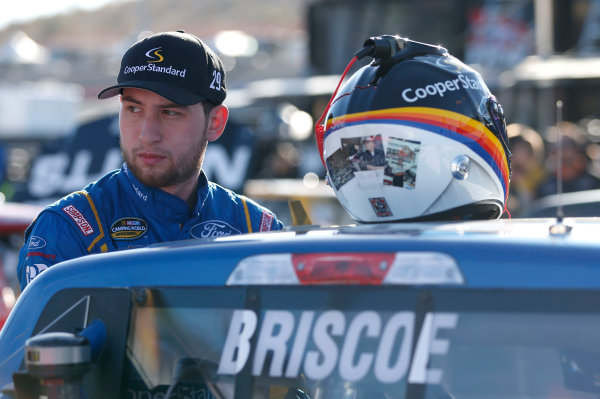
point(118, 21)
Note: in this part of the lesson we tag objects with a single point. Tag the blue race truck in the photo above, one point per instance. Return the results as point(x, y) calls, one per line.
point(486, 309)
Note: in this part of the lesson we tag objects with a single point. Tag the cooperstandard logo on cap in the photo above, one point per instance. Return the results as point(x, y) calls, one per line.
point(154, 56)
point(175, 65)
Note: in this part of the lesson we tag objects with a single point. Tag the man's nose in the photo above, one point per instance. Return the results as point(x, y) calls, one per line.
point(150, 129)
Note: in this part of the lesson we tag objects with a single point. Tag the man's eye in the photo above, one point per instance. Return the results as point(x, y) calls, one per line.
point(170, 113)
point(133, 108)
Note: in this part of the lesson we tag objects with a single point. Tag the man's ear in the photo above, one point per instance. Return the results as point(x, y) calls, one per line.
point(217, 121)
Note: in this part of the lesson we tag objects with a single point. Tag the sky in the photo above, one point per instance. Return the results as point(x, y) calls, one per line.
point(26, 10)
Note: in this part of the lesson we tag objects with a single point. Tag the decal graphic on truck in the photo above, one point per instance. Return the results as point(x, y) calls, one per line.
point(329, 341)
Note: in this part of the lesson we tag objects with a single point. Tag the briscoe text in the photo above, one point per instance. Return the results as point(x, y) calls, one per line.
point(332, 340)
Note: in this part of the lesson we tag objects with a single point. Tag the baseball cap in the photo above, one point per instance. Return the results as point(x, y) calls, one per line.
point(175, 65)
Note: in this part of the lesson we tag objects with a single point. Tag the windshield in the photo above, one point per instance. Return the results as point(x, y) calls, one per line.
point(363, 342)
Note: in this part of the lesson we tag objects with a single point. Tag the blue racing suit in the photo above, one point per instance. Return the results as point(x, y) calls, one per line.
point(118, 212)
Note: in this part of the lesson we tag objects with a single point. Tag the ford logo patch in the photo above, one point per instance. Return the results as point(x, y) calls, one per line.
point(212, 229)
point(36, 242)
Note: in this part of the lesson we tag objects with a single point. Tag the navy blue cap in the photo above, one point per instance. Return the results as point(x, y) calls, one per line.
point(175, 65)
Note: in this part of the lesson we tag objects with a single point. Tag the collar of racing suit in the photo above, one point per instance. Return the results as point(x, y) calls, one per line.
point(162, 204)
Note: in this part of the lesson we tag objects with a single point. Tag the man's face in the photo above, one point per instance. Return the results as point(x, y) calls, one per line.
point(163, 143)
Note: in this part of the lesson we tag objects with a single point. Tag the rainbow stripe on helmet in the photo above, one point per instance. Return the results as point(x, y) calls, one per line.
point(468, 131)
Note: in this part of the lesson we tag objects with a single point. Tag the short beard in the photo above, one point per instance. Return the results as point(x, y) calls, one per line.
point(181, 169)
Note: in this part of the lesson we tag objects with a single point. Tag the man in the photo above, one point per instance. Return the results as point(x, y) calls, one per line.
point(575, 162)
point(171, 88)
point(372, 157)
point(527, 167)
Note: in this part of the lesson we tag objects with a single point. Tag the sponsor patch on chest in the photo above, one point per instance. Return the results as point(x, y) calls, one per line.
point(213, 228)
point(128, 228)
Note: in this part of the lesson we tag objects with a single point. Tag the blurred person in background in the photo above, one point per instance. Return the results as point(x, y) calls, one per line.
point(171, 88)
point(527, 148)
point(575, 161)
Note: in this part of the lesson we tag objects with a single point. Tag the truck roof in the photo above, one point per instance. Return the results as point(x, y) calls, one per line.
point(308, 268)
point(504, 253)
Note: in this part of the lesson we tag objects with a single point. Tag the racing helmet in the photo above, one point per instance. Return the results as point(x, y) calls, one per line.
point(414, 135)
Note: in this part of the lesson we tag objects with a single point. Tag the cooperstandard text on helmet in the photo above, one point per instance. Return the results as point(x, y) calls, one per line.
point(411, 95)
point(154, 68)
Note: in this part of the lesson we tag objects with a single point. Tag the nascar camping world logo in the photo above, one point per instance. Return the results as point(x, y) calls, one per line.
point(128, 228)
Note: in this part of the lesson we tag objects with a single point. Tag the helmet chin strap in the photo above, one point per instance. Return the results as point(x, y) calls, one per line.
point(319, 128)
